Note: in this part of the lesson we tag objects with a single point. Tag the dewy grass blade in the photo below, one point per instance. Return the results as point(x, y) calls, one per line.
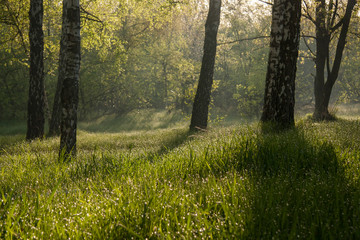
point(226, 183)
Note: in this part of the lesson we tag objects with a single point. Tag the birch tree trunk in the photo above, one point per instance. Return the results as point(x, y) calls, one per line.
point(279, 100)
point(200, 110)
point(70, 86)
point(36, 102)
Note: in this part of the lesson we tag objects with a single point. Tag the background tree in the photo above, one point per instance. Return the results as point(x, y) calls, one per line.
point(14, 59)
point(36, 103)
point(327, 23)
point(55, 120)
point(279, 100)
point(200, 110)
point(241, 63)
point(350, 71)
point(145, 57)
point(70, 87)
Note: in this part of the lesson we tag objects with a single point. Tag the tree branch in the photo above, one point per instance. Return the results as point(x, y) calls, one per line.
point(308, 46)
point(307, 13)
point(243, 39)
point(90, 16)
point(335, 13)
point(268, 3)
point(337, 26)
point(16, 23)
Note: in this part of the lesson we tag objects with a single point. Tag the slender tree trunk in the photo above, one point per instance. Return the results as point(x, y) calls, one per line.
point(165, 84)
point(279, 100)
point(323, 89)
point(70, 87)
point(200, 110)
point(322, 48)
point(54, 126)
point(36, 102)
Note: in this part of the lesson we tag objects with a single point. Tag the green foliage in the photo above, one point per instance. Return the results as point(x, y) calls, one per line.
point(249, 100)
point(135, 55)
point(241, 60)
point(349, 84)
point(147, 55)
point(13, 58)
point(231, 182)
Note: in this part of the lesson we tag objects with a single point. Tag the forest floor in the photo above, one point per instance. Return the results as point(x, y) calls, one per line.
point(229, 182)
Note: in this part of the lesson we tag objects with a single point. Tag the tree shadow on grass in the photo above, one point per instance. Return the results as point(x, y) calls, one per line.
point(300, 190)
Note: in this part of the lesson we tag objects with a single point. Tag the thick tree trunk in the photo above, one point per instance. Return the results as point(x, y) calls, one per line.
point(54, 126)
point(279, 100)
point(323, 89)
point(70, 87)
point(200, 110)
point(36, 102)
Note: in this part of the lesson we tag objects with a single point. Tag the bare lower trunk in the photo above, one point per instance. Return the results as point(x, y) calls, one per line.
point(321, 111)
point(36, 102)
point(54, 126)
point(200, 110)
point(279, 97)
point(70, 87)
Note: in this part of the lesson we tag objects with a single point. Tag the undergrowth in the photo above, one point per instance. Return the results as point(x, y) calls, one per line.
point(227, 183)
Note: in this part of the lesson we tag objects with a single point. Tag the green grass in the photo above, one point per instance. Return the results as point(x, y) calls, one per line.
point(146, 119)
point(227, 183)
point(8, 127)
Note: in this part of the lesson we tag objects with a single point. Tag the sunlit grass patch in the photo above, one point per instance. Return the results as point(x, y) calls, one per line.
point(226, 183)
point(146, 119)
point(348, 111)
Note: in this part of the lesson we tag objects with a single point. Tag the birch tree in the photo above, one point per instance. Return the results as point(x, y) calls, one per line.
point(36, 101)
point(70, 86)
point(279, 100)
point(200, 110)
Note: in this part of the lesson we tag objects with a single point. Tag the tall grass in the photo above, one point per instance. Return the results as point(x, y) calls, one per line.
point(227, 183)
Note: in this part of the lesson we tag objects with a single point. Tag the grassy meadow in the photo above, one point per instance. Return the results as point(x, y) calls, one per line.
point(230, 182)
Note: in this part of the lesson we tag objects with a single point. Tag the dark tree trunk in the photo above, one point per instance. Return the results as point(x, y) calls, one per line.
point(200, 110)
point(322, 89)
point(322, 48)
point(279, 100)
point(70, 87)
point(36, 102)
point(54, 126)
